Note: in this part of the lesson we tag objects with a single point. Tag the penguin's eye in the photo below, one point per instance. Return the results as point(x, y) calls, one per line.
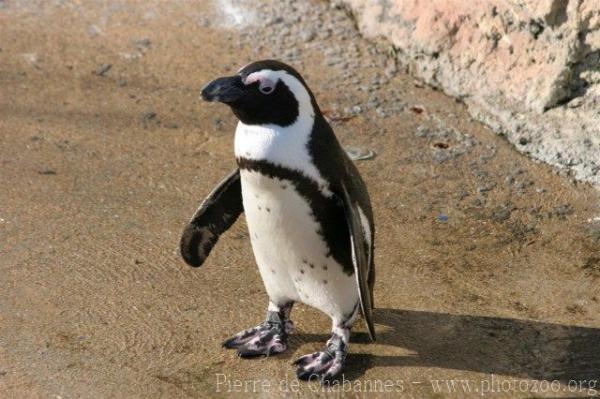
point(266, 89)
point(266, 85)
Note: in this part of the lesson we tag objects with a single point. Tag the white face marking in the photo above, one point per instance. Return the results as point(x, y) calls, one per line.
point(285, 146)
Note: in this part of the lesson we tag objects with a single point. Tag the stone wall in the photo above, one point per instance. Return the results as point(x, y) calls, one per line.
point(528, 68)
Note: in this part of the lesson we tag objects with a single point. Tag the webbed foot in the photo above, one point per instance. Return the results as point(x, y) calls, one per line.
point(324, 366)
point(266, 339)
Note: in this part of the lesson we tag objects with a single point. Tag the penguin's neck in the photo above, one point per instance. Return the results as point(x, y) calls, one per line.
point(285, 146)
point(274, 143)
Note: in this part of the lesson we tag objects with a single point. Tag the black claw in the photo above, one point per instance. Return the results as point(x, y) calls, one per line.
point(229, 343)
point(250, 354)
point(306, 375)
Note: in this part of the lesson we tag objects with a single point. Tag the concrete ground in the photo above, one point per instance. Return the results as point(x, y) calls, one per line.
point(488, 263)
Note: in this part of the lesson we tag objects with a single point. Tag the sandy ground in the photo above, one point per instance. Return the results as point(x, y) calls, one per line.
point(488, 264)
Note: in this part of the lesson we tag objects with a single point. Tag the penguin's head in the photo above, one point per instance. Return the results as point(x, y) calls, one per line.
point(263, 92)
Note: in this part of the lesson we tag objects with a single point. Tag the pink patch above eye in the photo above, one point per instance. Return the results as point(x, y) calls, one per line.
point(265, 85)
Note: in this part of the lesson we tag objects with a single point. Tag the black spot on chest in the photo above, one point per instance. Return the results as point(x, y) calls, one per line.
point(328, 212)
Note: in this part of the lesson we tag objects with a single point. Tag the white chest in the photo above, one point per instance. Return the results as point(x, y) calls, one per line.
point(290, 253)
point(282, 228)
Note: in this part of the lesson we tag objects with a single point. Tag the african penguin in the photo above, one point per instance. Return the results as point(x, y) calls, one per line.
point(308, 213)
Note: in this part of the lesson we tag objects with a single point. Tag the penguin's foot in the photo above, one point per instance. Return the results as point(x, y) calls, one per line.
point(324, 366)
point(266, 339)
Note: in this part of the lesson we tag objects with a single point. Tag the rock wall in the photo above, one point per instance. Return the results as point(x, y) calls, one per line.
point(528, 68)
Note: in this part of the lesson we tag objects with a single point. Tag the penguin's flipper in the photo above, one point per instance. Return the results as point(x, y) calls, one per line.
point(215, 215)
point(361, 255)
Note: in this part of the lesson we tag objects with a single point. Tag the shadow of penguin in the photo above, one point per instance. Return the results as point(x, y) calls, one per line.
point(492, 345)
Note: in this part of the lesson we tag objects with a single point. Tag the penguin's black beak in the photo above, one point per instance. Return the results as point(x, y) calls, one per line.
point(226, 90)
